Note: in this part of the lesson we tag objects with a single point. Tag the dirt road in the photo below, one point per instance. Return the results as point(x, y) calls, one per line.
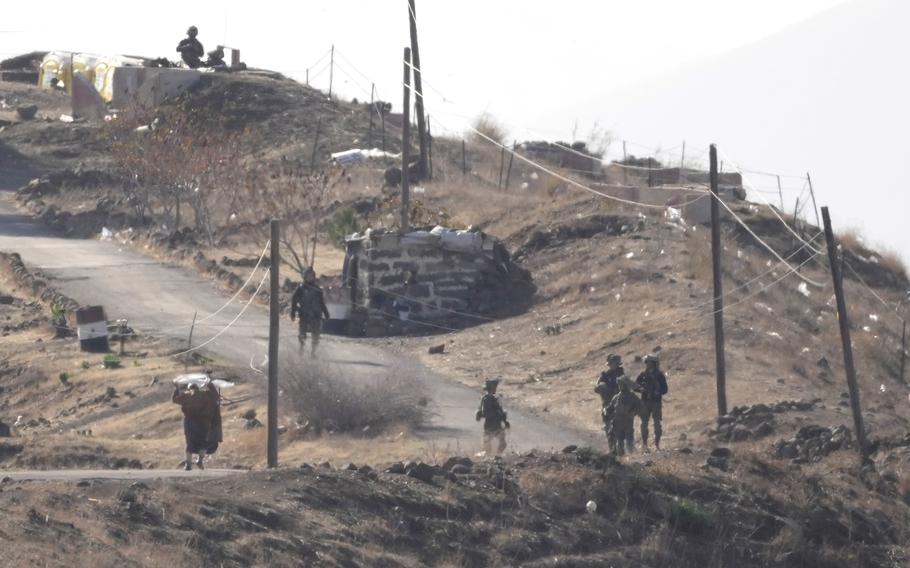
point(160, 299)
point(115, 474)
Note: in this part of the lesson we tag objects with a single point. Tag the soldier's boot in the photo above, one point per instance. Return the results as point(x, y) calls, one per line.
point(658, 431)
point(657, 443)
point(644, 443)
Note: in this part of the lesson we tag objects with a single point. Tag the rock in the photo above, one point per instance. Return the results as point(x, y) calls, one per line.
point(724, 453)
point(437, 349)
point(717, 463)
point(6, 479)
point(459, 469)
point(422, 472)
point(396, 468)
point(325, 465)
point(252, 423)
point(683, 437)
point(569, 449)
point(824, 364)
point(453, 461)
point(349, 467)
point(365, 469)
point(27, 112)
point(5, 430)
point(687, 451)
point(6, 300)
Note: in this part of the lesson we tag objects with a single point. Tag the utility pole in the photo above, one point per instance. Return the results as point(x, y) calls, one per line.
point(189, 343)
point(429, 148)
point(844, 322)
point(418, 92)
point(781, 193)
point(308, 77)
point(716, 247)
point(405, 143)
point(812, 193)
point(464, 163)
point(315, 146)
point(509, 170)
point(625, 175)
point(331, 69)
point(682, 157)
point(502, 164)
point(903, 349)
point(273, 343)
point(372, 109)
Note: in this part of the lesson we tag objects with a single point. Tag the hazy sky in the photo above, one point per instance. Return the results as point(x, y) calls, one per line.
point(538, 66)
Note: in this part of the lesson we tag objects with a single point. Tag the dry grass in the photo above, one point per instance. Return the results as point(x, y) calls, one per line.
point(891, 260)
point(489, 126)
point(323, 397)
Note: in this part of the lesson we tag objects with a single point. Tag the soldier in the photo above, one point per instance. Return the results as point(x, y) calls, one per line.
point(495, 422)
point(623, 409)
point(607, 387)
point(652, 384)
point(190, 49)
point(309, 303)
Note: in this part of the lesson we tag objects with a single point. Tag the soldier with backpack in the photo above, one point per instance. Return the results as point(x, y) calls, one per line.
point(495, 420)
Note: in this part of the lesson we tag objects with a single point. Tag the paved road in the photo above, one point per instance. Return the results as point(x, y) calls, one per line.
point(116, 474)
point(160, 299)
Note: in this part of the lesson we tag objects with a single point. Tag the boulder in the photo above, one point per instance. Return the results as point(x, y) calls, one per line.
point(422, 472)
point(27, 112)
point(396, 468)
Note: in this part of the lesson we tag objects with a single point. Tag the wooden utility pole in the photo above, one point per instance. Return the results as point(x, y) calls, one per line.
point(429, 148)
point(812, 193)
point(716, 247)
point(308, 77)
point(464, 163)
point(273, 343)
point(331, 69)
point(315, 146)
point(903, 349)
point(781, 193)
point(405, 143)
point(625, 176)
point(844, 321)
point(682, 157)
point(372, 109)
point(649, 171)
point(189, 343)
point(422, 167)
point(509, 170)
point(502, 164)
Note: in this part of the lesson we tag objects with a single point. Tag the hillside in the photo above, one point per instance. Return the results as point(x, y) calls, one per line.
point(773, 483)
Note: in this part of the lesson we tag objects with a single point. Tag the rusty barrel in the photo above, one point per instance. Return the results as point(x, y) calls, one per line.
point(91, 326)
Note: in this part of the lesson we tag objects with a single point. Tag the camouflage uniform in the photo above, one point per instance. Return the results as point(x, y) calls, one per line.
point(190, 49)
point(308, 302)
point(652, 384)
point(608, 387)
point(495, 420)
point(624, 407)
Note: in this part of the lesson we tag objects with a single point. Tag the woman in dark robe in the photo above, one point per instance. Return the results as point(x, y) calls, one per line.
point(201, 421)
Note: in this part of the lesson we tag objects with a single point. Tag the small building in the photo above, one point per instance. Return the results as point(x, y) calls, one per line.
point(430, 275)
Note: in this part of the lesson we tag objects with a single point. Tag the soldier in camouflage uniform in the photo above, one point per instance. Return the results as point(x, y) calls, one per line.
point(652, 384)
point(608, 387)
point(623, 409)
point(308, 302)
point(495, 421)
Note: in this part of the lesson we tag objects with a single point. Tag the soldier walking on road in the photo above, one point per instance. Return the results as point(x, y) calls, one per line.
point(608, 387)
point(308, 302)
point(623, 409)
point(495, 420)
point(652, 384)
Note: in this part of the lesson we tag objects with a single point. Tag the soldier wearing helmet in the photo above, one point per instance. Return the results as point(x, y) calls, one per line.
point(623, 409)
point(495, 419)
point(190, 49)
point(308, 302)
point(652, 384)
point(607, 387)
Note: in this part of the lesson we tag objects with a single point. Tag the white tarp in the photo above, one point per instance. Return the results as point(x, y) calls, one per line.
point(460, 241)
point(357, 155)
point(201, 380)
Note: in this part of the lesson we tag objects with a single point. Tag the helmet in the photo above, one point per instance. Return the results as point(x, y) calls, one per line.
point(652, 359)
point(614, 358)
point(193, 30)
point(490, 385)
point(309, 275)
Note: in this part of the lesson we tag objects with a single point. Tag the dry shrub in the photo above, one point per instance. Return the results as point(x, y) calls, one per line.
point(699, 265)
point(851, 239)
point(657, 549)
point(324, 396)
point(891, 260)
point(488, 126)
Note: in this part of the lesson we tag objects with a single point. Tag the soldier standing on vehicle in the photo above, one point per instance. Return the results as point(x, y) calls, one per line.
point(623, 409)
point(652, 384)
point(308, 302)
point(190, 49)
point(495, 420)
point(608, 387)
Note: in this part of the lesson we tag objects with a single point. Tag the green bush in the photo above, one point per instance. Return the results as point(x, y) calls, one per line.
point(111, 362)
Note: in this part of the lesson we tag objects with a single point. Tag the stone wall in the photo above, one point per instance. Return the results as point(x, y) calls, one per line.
point(429, 279)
